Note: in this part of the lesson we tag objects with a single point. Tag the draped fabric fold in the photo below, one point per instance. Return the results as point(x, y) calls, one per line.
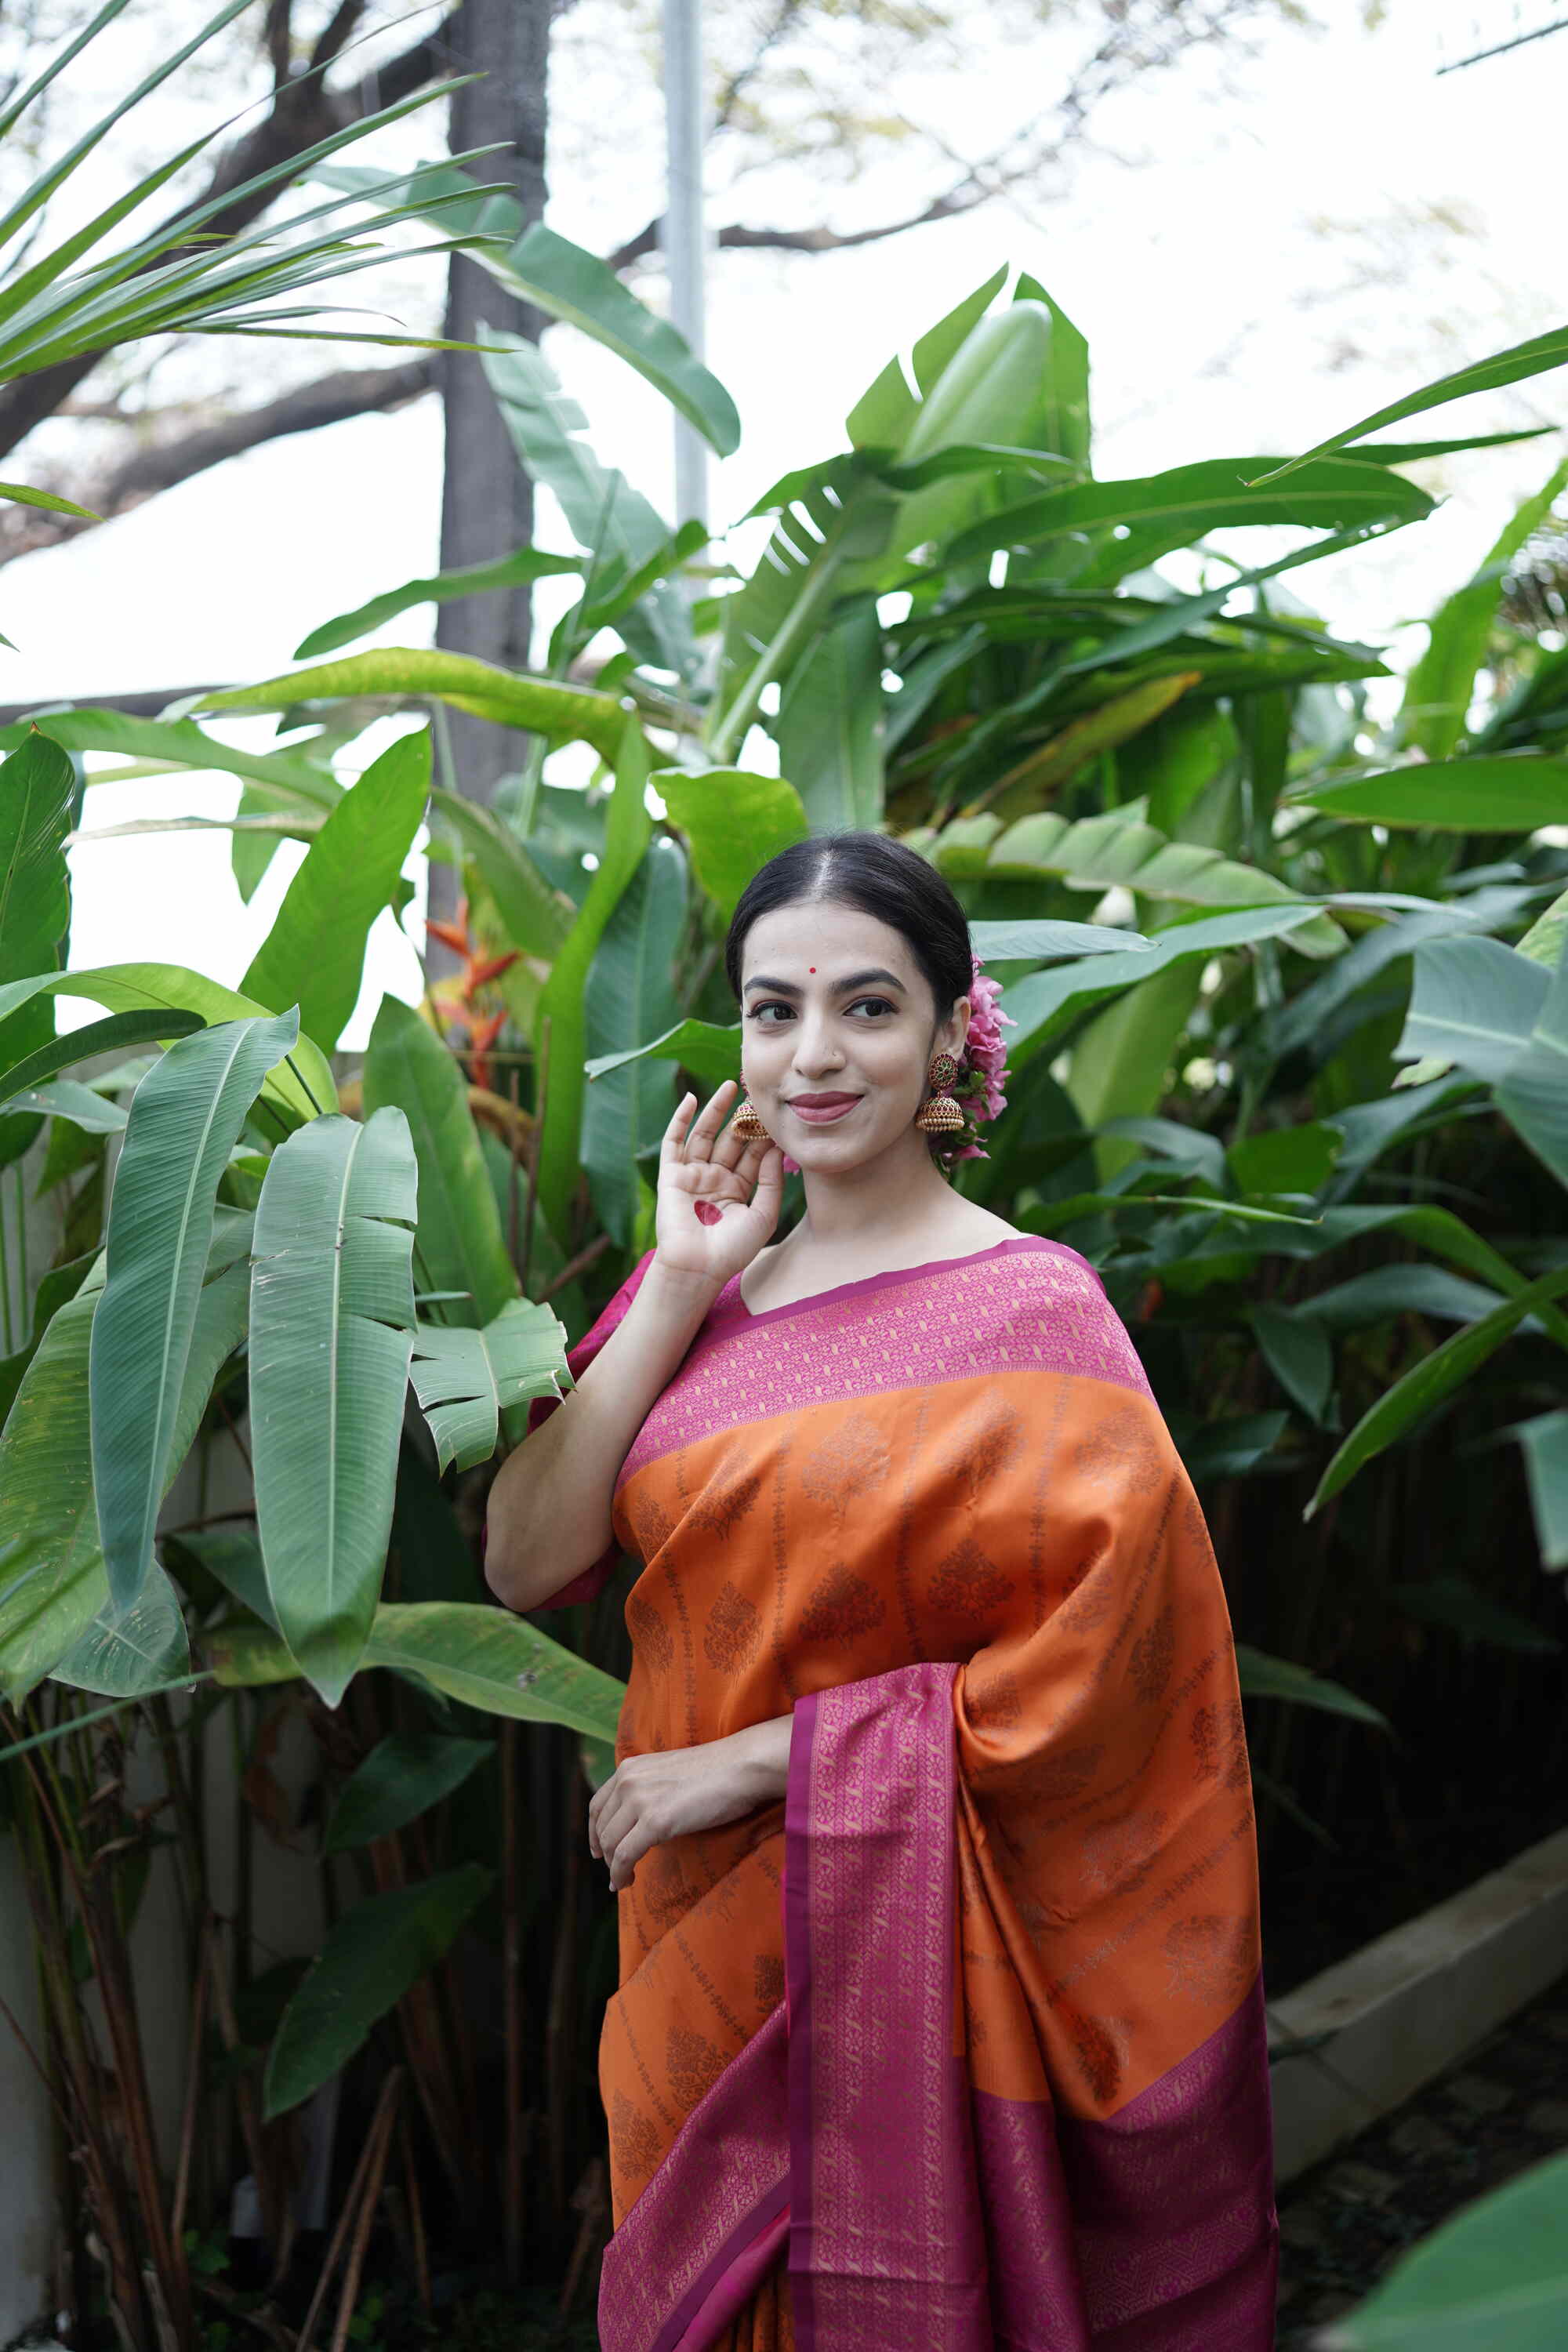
point(963, 2046)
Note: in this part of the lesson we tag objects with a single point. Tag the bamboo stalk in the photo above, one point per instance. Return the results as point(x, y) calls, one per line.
point(192, 2083)
point(558, 2036)
point(389, 2091)
point(94, 1897)
point(416, 2217)
point(381, 2128)
point(511, 2007)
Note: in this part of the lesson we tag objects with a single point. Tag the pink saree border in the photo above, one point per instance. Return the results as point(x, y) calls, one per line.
point(697, 2240)
point(1035, 1309)
point(730, 1300)
point(886, 2246)
point(922, 2212)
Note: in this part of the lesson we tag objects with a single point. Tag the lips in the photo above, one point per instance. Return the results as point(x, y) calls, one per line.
point(821, 1110)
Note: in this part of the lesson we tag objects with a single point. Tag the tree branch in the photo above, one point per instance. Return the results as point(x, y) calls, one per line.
point(346, 392)
point(301, 112)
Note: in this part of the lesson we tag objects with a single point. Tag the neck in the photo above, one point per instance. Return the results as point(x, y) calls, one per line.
point(884, 1198)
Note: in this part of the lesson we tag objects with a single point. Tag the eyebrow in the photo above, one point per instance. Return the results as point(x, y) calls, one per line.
point(853, 980)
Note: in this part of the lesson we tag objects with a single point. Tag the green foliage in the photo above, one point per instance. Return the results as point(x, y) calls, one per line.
point(368, 1961)
point(331, 1333)
point(1497, 2275)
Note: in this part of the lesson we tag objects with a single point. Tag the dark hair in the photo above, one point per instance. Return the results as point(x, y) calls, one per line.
point(881, 877)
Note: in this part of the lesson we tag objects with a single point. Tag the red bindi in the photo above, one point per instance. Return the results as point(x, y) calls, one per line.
point(811, 967)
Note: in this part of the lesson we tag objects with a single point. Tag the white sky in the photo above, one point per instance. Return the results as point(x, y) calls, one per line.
point(1253, 267)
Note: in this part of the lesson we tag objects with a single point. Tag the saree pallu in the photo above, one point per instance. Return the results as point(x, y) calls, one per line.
point(963, 2046)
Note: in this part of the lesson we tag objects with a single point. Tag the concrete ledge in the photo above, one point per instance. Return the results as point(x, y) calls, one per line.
point(1398, 2011)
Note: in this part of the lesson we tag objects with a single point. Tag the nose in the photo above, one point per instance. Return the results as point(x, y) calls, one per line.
point(817, 1052)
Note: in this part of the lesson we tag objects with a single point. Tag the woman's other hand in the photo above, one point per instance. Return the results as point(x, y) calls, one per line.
point(653, 1798)
point(719, 1197)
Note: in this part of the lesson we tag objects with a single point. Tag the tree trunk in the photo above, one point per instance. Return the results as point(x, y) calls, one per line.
point(487, 502)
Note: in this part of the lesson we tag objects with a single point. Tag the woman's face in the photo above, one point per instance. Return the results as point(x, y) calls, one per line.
point(837, 1031)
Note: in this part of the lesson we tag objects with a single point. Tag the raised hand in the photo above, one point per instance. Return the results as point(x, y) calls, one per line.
point(719, 1197)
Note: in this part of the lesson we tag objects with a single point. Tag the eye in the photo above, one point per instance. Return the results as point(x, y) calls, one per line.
point(777, 1005)
point(877, 1006)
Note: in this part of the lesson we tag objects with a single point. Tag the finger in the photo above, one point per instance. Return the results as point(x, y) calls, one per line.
point(709, 1120)
point(629, 1853)
point(612, 1825)
point(670, 1142)
point(600, 1799)
point(768, 1199)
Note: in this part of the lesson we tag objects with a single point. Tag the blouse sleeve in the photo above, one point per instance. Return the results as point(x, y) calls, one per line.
point(591, 1580)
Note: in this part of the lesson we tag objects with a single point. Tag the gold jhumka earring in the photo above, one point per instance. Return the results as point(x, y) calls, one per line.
point(939, 1114)
point(747, 1124)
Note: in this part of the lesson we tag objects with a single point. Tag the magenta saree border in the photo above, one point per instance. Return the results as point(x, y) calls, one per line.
point(887, 2248)
point(1041, 1309)
point(1172, 2202)
point(695, 2244)
point(730, 1300)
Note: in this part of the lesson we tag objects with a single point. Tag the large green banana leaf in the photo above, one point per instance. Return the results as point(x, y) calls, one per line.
point(1438, 692)
point(524, 563)
point(283, 779)
point(562, 714)
point(404, 1775)
point(468, 1650)
point(631, 995)
point(37, 784)
point(734, 820)
point(1494, 2278)
point(1533, 1095)
point(1510, 366)
point(465, 1379)
point(1474, 1002)
point(1435, 1377)
point(185, 1117)
point(93, 1037)
point(301, 1087)
point(1513, 793)
point(537, 916)
point(549, 273)
point(314, 954)
point(53, 1583)
point(1213, 495)
point(603, 511)
point(1544, 1441)
point(460, 1242)
point(370, 1956)
point(830, 732)
point(563, 1003)
point(1099, 852)
point(834, 516)
point(332, 1330)
point(37, 789)
point(1039, 1002)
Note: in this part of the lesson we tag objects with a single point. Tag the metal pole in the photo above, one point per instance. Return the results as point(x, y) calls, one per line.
point(683, 238)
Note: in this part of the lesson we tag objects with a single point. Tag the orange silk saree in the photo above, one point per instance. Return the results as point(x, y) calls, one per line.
point(962, 2046)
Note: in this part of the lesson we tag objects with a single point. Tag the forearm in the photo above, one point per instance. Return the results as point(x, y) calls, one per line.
point(548, 1517)
point(761, 1759)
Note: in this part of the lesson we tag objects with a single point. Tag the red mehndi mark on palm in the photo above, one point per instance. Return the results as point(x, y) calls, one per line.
point(707, 1213)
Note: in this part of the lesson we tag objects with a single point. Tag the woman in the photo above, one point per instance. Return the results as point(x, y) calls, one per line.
point(940, 2022)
